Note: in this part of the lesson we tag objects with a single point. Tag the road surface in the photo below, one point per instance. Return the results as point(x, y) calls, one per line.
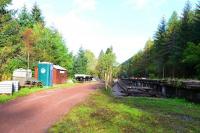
point(37, 112)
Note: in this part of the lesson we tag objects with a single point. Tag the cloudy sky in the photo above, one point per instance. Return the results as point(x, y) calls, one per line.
point(98, 24)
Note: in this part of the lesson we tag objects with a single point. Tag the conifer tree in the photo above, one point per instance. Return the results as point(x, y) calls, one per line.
point(9, 39)
point(24, 18)
point(37, 14)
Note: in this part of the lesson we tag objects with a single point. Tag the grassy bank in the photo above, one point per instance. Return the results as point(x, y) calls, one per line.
point(102, 113)
point(27, 91)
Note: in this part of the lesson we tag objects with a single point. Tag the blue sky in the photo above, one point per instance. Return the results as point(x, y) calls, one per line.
point(98, 24)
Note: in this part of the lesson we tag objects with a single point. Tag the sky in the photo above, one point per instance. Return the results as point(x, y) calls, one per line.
point(98, 24)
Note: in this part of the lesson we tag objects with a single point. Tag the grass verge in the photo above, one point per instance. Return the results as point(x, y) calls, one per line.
point(102, 113)
point(27, 91)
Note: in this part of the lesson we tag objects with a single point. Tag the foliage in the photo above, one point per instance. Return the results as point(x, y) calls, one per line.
point(171, 53)
point(106, 66)
point(192, 57)
point(50, 45)
point(104, 113)
point(24, 18)
point(37, 15)
point(99, 66)
point(9, 39)
point(197, 24)
point(26, 37)
point(91, 62)
point(80, 63)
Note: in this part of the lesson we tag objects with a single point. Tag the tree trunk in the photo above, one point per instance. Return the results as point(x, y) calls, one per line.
point(106, 81)
point(163, 72)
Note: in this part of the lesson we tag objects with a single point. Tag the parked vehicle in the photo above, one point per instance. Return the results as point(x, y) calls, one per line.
point(83, 77)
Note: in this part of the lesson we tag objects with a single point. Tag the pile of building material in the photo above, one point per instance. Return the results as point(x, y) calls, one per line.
point(187, 89)
point(132, 90)
point(8, 87)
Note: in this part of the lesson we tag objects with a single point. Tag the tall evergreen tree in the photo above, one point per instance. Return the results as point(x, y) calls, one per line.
point(197, 24)
point(159, 41)
point(44, 44)
point(171, 43)
point(80, 62)
point(9, 39)
point(24, 18)
point(175, 51)
point(186, 35)
point(185, 28)
point(37, 14)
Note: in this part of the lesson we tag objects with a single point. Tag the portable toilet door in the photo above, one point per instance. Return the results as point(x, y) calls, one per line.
point(45, 73)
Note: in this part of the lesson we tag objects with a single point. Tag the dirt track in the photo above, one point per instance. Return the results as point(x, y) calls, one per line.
point(37, 112)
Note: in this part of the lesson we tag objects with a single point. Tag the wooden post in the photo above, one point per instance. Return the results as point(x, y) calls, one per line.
point(163, 90)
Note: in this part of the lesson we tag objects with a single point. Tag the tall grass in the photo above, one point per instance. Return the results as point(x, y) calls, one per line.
point(103, 113)
point(21, 93)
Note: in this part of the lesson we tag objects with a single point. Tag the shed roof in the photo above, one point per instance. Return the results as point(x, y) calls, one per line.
point(45, 62)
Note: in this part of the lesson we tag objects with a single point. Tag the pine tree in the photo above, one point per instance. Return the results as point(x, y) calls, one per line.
point(160, 51)
point(24, 18)
point(171, 43)
point(175, 51)
point(197, 24)
point(80, 63)
point(185, 28)
point(9, 39)
point(37, 15)
point(186, 35)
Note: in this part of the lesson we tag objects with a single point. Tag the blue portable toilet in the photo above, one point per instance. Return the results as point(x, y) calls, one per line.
point(45, 73)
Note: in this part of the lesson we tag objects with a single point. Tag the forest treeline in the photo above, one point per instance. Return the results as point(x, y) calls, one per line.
point(104, 67)
point(25, 40)
point(23, 34)
point(174, 51)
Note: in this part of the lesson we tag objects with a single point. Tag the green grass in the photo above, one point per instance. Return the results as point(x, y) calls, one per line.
point(102, 113)
point(27, 91)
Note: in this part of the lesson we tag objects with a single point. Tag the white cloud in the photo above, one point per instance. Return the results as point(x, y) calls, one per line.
point(91, 34)
point(88, 33)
